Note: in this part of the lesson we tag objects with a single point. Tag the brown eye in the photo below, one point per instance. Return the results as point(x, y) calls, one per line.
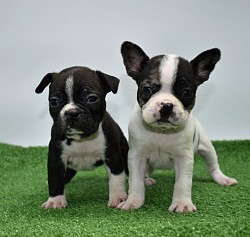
point(187, 93)
point(54, 103)
point(92, 99)
point(147, 90)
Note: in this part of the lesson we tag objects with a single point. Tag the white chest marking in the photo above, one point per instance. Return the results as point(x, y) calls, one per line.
point(168, 70)
point(83, 155)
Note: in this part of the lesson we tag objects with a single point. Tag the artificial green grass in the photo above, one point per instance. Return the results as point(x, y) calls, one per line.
point(222, 211)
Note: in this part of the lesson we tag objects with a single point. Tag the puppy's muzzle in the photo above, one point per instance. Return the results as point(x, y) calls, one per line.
point(74, 117)
point(166, 111)
point(72, 114)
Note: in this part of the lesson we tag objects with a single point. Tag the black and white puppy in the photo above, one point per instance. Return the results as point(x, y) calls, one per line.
point(162, 131)
point(83, 135)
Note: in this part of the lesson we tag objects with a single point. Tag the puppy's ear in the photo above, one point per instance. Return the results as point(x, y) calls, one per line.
point(45, 82)
point(134, 58)
point(109, 83)
point(204, 64)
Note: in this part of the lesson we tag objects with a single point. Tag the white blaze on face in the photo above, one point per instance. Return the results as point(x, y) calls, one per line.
point(69, 88)
point(168, 71)
point(151, 110)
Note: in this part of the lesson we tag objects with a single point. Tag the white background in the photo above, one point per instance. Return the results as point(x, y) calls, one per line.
point(37, 37)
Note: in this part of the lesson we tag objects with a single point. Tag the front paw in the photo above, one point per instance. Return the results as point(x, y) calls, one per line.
point(131, 203)
point(181, 206)
point(56, 202)
point(115, 200)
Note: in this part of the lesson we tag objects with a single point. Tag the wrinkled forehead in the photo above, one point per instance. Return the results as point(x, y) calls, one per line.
point(166, 69)
point(75, 79)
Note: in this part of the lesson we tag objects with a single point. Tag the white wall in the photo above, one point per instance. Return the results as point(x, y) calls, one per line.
point(37, 37)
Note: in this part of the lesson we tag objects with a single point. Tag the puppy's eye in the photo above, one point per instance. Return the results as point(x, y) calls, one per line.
point(92, 98)
point(147, 90)
point(54, 103)
point(187, 93)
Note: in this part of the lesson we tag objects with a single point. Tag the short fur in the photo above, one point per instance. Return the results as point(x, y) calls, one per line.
point(162, 131)
point(83, 135)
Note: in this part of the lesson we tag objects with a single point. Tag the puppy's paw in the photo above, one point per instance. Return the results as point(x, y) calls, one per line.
point(115, 200)
point(131, 203)
point(181, 206)
point(223, 179)
point(228, 181)
point(149, 181)
point(56, 202)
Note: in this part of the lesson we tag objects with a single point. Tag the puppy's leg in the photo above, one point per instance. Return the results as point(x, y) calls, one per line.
point(208, 153)
point(149, 181)
point(117, 189)
point(183, 184)
point(114, 165)
point(69, 174)
point(137, 168)
point(56, 173)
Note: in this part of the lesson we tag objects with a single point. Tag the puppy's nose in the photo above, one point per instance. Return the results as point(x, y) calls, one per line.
point(72, 114)
point(167, 109)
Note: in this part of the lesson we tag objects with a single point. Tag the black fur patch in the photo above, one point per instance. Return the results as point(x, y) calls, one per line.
point(185, 87)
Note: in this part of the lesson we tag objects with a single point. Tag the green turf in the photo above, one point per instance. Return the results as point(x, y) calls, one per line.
point(222, 211)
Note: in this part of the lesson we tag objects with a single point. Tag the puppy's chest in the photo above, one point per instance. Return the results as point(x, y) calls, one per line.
point(160, 159)
point(165, 149)
point(84, 155)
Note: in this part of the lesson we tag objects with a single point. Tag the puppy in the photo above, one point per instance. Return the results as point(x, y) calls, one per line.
point(83, 135)
point(162, 131)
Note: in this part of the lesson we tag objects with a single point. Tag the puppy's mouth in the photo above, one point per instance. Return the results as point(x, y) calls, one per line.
point(163, 120)
point(165, 123)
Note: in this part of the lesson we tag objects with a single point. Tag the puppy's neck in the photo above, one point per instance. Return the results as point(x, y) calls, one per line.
point(79, 138)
